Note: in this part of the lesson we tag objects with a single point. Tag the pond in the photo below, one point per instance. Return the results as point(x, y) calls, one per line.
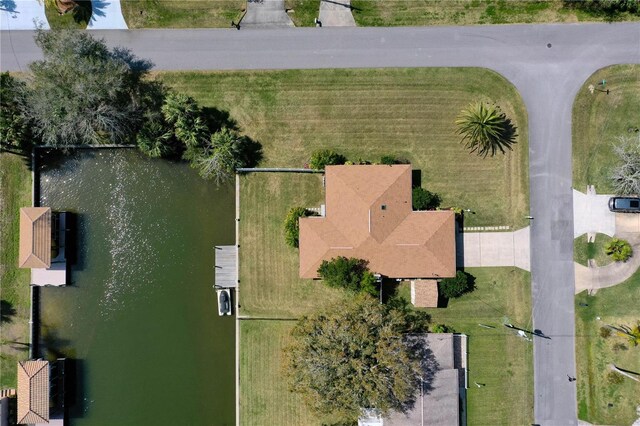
point(140, 318)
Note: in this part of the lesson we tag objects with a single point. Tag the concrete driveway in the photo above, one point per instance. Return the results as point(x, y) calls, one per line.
point(21, 14)
point(266, 14)
point(591, 214)
point(336, 13)
point(494, 249)
point(106, 15)
point(547, 64)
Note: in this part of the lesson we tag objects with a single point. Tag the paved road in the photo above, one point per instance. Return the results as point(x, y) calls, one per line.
point(547, 64)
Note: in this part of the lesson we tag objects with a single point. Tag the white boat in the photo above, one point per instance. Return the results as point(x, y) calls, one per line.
point(224, 301)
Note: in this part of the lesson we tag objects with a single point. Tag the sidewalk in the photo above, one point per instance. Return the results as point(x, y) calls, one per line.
point(21, 14)
point(494, 249)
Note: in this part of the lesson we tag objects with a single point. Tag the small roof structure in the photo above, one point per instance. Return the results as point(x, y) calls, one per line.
point(35, 237)
point(33, 392)
point(424, 293)
point(369, 216)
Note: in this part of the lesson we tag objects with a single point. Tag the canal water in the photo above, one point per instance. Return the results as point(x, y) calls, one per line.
point(140, 319)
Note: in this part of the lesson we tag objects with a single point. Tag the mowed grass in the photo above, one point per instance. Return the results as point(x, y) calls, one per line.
point(368, 113)
point(264, 394)
point(303, 12)
point(598, 119)
point(76, 19)
point(181, 14)
point(498, 358)
point(615, 306)
point(15, 192)
point(583, 251)
point(270, 286)
point(472, 12)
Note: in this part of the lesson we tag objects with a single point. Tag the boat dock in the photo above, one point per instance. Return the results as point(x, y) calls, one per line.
point(226, 266)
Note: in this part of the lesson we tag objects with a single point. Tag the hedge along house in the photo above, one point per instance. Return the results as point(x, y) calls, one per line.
point(42, 245)
point(369, 215)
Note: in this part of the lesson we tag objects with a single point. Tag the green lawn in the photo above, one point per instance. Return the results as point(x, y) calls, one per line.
point(15, 192)
point(367, 113)
point(616, 305)
point(598, 119)
point(182, 14)
point(498, 358)
point(270, 286)
point(471, 12)
point(76, 19)
point(264, 395)
point(303, 12)
point(583, 251)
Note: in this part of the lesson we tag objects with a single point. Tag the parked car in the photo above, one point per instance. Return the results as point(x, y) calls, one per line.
point(624, 204)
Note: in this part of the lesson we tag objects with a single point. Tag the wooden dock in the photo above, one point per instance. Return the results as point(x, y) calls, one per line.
point(226, 266)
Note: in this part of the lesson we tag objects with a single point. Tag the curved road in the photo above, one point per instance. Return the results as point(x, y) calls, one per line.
point(547, 63)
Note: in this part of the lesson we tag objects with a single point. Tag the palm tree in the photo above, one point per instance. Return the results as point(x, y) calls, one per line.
point(485, 129)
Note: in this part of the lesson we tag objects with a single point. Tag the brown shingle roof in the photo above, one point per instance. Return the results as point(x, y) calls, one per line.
point(424, 293)
point(35, 237)
point(369, 216)
point(33, 392)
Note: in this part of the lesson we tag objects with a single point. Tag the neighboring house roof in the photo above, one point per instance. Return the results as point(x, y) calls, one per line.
point(35, 237)
point(369, 216)
point(424, 293)
point(33, 392)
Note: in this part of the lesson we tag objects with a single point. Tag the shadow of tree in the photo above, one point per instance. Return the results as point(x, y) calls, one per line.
point(7, 311)
point(216, 119)
point(250, 151)
point(8, 6)
point(83, 11)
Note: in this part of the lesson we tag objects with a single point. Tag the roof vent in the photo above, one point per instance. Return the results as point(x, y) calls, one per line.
point(383, 207)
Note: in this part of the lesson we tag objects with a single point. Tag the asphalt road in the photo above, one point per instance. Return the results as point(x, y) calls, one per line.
point(547, 63)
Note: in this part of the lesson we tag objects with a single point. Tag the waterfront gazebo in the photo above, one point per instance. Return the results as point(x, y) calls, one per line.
point(33, 392)
point(35, 237)
point(42, 245)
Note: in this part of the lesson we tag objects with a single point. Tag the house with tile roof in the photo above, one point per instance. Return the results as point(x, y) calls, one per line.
point(369, 215)
point(33, 392)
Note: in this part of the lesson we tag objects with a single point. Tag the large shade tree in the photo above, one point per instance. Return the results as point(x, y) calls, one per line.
point(625, 176)
point(82, 92)
point(485, 129)
point(359, 355)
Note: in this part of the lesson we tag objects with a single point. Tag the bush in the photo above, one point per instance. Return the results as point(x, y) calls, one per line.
point(325, 157)
point(457, 286)
point(348, 273)
point(425, 200)
point(614, 378)
point(605, 332)
point(619, 250)
point(442, 328)
point(292, 226)
point(388, 160)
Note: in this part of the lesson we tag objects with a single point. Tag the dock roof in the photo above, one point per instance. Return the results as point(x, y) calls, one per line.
point(33, 392)
point(35, 237)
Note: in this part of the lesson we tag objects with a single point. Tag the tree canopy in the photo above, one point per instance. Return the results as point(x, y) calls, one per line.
point(349, 273)
point(360, 354)
point(625, 177)
point(14, 126)
point(82, 92)
point(485, 129)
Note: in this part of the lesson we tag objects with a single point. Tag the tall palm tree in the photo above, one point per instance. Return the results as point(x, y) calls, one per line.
point(485, 129)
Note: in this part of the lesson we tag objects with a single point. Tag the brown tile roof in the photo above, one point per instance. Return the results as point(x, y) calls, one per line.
point(369, 216)
point(424, 293)
point(33, 392)
point(35, 237)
